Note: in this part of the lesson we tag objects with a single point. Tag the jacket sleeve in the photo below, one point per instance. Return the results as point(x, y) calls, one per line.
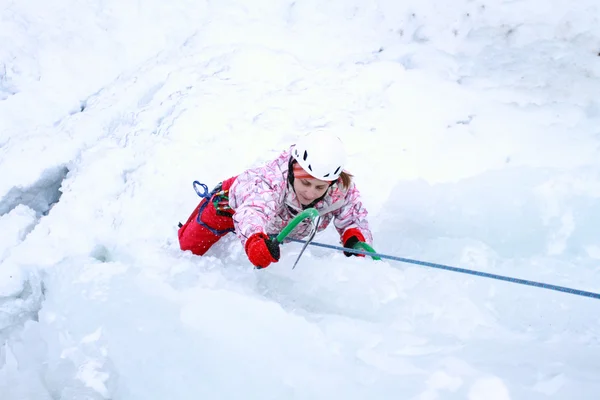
point(254, 200)
point(353, 214)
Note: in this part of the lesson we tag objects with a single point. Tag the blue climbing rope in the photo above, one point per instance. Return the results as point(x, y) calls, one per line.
point(461, 270)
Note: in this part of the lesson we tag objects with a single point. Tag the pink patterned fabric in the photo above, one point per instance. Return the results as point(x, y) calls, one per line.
point(263, 201)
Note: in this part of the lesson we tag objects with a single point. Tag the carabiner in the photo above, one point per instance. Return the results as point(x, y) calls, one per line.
point(203, 195)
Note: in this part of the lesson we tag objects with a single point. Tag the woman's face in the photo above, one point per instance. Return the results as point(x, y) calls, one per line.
point(309, 190)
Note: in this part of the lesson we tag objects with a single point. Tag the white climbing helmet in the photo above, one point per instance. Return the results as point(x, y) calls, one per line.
point(321, 154)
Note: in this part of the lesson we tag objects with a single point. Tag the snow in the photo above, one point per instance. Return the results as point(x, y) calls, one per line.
point(472, 132)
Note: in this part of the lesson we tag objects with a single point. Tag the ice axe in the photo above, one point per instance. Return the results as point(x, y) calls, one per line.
point(314, 215)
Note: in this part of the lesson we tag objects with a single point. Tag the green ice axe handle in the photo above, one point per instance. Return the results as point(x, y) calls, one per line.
point(364, 246)
point(311, 213)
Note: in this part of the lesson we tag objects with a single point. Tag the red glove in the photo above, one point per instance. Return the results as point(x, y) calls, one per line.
point(350, 238)
point(261, 250)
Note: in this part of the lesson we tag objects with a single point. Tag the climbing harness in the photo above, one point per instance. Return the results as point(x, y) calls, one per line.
point(220, 200)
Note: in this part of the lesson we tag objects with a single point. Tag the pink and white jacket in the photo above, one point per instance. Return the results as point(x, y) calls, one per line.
point(263, 200)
